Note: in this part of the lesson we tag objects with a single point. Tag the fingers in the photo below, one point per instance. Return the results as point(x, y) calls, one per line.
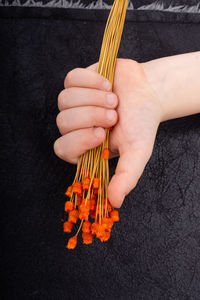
point(69, 147)
point(130, 167)
point(74, 97)
point(86, 78)
point(86, 105)
point(85, 117)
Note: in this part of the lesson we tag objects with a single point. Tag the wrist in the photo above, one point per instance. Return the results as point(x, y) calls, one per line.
point(157, 76)
point(175, 82)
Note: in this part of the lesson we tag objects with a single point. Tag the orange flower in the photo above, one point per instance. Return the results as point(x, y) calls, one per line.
point(84, 204)
point(105, 153)
point(73, 216)
point(87, 238)
point(83, 213)
point(67, 226)
point(69, 206)
point(86, 183)
point(108, 222)
point(77, 188)
point(78, 200)
point(92, 204)
point(96, 183)
point(100, 230)
point(105, 237)
point(69, 191)
point(114, 214)
point(93, 227)
point(72, 242)
point(86, 227)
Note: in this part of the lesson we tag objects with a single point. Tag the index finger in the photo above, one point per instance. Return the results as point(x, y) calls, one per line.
point(93, 67)
point(87, 78)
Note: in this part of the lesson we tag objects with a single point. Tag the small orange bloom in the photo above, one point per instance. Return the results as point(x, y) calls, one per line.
point(87, 238)
point(67, 226)
point(78, 200)
point(72, 243)
point(83, 213)
point(86, 227)
point(105, 153)
point(105, 237)
point(93, 227)
point(114, 214)
point(86, 183)
point(69, 191)
point(108, 222)
point(100, 230)
point(69, 206)
point(85, 203)
point(92, 204)
point(77, 188)
point(96, 183)
point(73, 216)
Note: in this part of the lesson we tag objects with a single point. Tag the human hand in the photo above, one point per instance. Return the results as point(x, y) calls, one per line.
point(135, 111)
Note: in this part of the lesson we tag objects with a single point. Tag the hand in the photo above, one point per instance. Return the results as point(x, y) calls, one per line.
point(133, 107)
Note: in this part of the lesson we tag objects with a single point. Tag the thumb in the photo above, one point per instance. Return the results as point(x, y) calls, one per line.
point(129, 169)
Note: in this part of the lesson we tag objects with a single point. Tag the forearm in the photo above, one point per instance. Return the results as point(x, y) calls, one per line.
point(176, 81)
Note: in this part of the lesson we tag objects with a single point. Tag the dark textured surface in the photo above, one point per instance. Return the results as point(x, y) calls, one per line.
point(154, 251)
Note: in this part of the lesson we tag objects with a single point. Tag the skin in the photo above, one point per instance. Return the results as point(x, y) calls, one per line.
point(143, 96)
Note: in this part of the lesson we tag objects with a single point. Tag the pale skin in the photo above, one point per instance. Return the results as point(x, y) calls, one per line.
point(144, 95)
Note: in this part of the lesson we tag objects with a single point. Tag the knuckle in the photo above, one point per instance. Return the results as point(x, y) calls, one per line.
point(61, 99)
point(61, 151)
point(58, 149)
point(60, 121)
point(70, 76)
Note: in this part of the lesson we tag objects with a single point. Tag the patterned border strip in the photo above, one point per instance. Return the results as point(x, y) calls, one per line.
point(100, 4)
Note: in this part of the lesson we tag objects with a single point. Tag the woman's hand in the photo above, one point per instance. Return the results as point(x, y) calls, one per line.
point(86, 107)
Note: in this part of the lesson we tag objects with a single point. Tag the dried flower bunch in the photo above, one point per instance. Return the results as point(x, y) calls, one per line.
point(88, 194)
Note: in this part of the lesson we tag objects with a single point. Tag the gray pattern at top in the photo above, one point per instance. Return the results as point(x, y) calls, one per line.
point(100, 4)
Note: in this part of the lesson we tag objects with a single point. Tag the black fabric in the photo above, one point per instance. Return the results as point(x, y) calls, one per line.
point(154, 251)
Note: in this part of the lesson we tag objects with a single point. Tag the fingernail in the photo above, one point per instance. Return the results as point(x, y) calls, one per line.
point(111, 114)
point(107, 85)
point(111, 99)
point(99, 132)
